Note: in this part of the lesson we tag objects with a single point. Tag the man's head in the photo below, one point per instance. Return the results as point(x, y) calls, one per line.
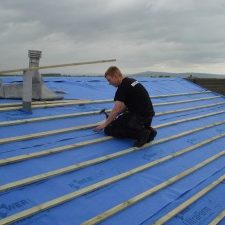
point(114, 76)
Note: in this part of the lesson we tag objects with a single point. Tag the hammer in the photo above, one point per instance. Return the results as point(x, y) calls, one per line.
point(104, 112)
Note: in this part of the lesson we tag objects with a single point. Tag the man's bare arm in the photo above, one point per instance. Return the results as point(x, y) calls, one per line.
point(118, 108)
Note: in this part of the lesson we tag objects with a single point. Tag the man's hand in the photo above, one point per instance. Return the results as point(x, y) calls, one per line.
point(100, 127)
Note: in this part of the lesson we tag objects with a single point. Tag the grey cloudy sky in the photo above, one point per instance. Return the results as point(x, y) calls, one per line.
point(143, 35)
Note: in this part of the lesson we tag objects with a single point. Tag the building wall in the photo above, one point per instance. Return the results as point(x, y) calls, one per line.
point(216, 85)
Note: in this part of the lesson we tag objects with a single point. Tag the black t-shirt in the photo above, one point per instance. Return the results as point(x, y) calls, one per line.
point(135, 97)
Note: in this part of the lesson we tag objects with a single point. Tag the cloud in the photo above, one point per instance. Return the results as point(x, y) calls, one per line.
point(168, 35)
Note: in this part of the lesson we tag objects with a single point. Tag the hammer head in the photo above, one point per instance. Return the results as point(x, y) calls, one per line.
point(104, 112)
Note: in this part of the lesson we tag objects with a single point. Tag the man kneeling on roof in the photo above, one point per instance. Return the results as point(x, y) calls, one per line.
point(132, 113)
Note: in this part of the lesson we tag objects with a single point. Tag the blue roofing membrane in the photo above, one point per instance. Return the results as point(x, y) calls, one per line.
point(77, 180)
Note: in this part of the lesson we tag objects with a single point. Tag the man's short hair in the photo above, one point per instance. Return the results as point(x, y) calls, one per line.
point(113, 70)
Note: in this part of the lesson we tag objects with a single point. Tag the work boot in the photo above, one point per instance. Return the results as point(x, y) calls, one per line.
point(152, 134)
point(143, 138)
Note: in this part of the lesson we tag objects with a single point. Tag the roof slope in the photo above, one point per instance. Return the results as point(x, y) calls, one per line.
point(56, 170)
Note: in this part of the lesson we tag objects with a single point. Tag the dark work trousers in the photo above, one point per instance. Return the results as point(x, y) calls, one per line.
point(128, 125)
